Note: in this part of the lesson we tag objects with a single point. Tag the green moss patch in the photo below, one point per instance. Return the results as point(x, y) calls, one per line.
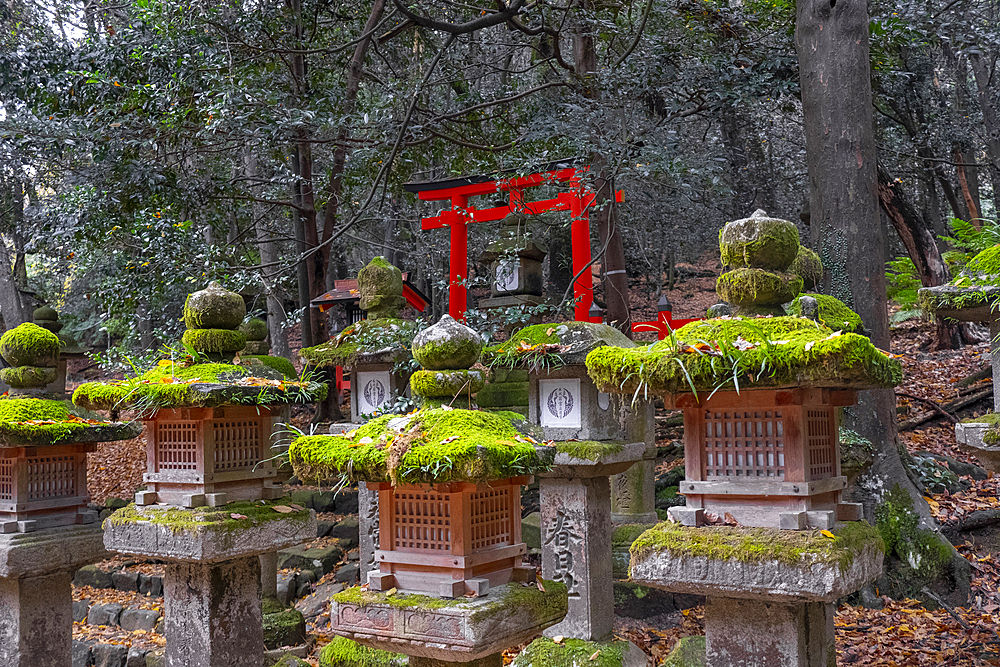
point(922, 554)
point(992, 418)
point(211, 519)
point(833, 313)
point(439, 445)
point(41, 421)
point(809, 267)
point(214, 307)
point(732, 353)
point(589, 450)
point(280, 364)
point(175, 385)
point(343, 652)
point(758, 287)
point(543, 652)
point(21, 377)
point(753, 545)
point(986, 265)
point(30, 345)
point(759, 241)
point(219, 341)
point(388, 335)
point(254, 329)
point(543, 345)
point(443, 384)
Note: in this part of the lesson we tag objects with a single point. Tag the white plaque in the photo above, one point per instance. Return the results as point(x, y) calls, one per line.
point(559, 403)
point(373, 391)
point(507, 275)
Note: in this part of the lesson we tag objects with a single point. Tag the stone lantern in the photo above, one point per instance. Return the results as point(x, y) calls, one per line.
point(515, 262)
point(449, 584)
point(208, 508)
point(761, 450)
point(47, 318)
point(255, 330)
point(46, 528)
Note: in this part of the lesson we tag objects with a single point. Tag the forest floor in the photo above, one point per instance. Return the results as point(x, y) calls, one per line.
point(902, 632)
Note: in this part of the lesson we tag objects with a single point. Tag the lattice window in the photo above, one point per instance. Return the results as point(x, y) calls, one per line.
point(237, 443)
point(490, 518)
point(744, 443)
point(421, 521)
point(7, 479)
point(177, 445)
point(820, 444)
point(51, 477)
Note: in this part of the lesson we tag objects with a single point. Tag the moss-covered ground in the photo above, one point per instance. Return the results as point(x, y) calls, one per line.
point(428, 446)
point(364, 337)
point(736, 353)
point(750, 545)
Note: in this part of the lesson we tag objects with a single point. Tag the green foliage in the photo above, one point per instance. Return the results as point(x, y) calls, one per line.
point(343, 652)
point(902, 284)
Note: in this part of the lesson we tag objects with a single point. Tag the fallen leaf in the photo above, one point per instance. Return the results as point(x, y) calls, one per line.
point(235, 515)
point(594, 655)
point(558, 639)
point(283, 509)
point(827, 533)
point(389, 593)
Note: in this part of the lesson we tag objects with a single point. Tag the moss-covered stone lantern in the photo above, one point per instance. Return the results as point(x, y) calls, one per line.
point(515, 261)
point(47, 318)
point(972, 297)
point(376, 349)
point(255, 331)
point(446, 353)
point(449, 583)
point(47, 530)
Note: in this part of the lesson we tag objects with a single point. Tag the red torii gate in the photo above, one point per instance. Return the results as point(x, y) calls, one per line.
point(577, 200)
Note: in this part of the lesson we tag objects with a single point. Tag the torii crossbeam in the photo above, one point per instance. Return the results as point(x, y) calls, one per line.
point(577, 199)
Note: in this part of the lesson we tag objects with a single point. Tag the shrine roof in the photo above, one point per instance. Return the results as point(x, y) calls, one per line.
point(745, 353)
point(385, 340)
point(35, 422)
point(254, 381)
point(425, 447)
point(346, 291)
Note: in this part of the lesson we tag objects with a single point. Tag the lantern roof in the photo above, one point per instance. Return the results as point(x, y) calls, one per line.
point(563, 342)
point(970, 296)
point(32, 422)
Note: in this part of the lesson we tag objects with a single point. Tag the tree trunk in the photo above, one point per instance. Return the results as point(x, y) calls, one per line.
point(831, 38)
point(752, 189)
point(922, 248)
point(991, 121)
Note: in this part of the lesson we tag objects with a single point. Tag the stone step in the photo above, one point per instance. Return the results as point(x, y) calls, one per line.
point(114, 614)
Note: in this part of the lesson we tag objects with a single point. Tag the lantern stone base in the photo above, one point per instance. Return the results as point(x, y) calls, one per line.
point(633, 494)
point(454, 631)
point(36, 601)
point(970, 439)
point(770, 603)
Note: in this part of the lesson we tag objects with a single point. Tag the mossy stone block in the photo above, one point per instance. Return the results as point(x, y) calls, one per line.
point(30, 345)
point(448, 345)
point(256, 347)
point(444, 384)
point(214, 307)
point(759, 242)
point(380, 287)
point(46, 313)
point(284, 628)
point(809, 267)
point(255, 329)
point(218, 341)
point(343, 652)
point(23, 377)
point(531, 530)
point(688, 652)
point(758, 287)
point(503, 394)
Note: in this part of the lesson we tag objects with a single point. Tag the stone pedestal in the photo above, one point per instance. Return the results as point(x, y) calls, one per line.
point(269, 574)
point(36, 600)
point(576, 535)
point(754, 633)
point(212, 587)
point(633, 495)
point(213, 614)
point(367, 528)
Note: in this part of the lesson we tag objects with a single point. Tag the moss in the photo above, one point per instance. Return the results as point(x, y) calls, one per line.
point(543, 652)
point(503, 394)
point(343, 652)
point(589, 450)
point(753, 545)
point(927, 555)
point(41, 421)
point(527, 347)
point(393, 336)
point(447, 345)
point(30, 345)
point(21, 377)
point(624, 536)
point(765, 352)
point(444, 445)
point(47, 313)
point(219, 341)
point(757, 287)
point(992, 418)
point(214, 308)
point(254, 329)
point(286, 627)
point(809, 267)
point(833, 313)
point(176, 385)
point(760, 242)
point(690, 652)
point(280, 364)
point(444, 384)
point(986, 263)
point(856, 453)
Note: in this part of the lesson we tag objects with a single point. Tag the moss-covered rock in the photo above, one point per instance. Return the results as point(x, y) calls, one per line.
point(256, 348)
point(544, 652)
point(343, 652)
point(759, 242)
point(808, 266)
point(229, 519)
point(30, 345)
point(428, 446)
point(833, 313)
point(986, 264)
point(214, 307)
point(380, 287)
point(444, 384)
point(25, 377)
point(218, 341)
point(589, 450)
point(447, 345)
point(284, 627)
point(767, 352)
point(503, 395)
point(255, 329)
point(46, 313)
point(758, 287)
point(384, 340)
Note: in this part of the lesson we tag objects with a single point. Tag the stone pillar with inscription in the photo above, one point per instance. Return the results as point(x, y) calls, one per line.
point(446, 584)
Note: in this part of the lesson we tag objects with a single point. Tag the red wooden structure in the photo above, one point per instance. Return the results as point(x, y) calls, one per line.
point(577, 200)
point(665, 323)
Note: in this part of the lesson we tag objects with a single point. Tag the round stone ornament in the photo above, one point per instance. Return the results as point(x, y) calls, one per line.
point(448, 345)
point(214, 307)
point(759, 242)
point(30, 345)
